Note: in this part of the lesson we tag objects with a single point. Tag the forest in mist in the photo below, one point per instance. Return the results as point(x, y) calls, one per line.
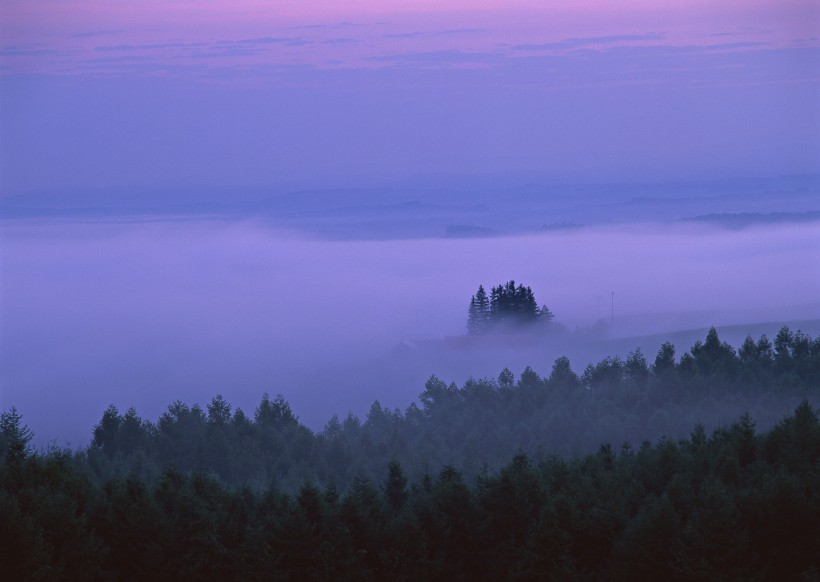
point(281, 406)
point(507, 478)
point(478, 426)
point(410, 290)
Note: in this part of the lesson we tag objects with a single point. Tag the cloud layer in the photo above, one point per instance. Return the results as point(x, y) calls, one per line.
point(142, 314)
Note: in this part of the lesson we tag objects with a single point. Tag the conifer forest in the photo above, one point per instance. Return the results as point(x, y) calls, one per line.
point(526, 478)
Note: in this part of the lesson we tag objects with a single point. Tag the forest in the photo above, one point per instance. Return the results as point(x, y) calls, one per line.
point(628, 470)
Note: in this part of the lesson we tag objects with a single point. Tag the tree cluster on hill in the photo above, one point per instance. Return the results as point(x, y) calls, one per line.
point(506, 308)
point(736, 505)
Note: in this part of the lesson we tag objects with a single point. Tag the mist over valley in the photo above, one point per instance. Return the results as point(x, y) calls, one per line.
point(410, 290)
point(136, 313)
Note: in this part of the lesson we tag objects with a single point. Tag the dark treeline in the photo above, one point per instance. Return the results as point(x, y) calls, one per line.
point(736, 505)
point(479, 425)
point(497, 479)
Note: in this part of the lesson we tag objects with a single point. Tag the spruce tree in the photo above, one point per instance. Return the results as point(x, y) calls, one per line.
point(478, 314)
point(472, 317)
point(14, 435)
point(545, 314)
point(482, 309)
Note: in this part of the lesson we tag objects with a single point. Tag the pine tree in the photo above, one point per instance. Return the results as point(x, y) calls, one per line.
point(482, 309)
point(473, 324)
point(545, 314)
point(14, 435)
point(395, 487)
point(478, 314)
point(496, 304)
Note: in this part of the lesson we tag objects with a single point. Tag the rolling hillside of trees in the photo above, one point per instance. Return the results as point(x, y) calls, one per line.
point(500, 478)
point(478, 425)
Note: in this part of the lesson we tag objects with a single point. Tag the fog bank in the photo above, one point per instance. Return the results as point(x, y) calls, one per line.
point(144, 313)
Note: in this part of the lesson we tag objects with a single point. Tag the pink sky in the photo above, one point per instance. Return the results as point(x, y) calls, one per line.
point(78, 37)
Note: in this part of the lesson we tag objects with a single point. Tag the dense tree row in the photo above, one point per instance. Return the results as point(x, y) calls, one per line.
point(508, 307)
point(482, 423)
point(734, 505)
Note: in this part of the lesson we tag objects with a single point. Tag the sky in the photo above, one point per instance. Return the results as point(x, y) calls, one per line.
point(119, 95)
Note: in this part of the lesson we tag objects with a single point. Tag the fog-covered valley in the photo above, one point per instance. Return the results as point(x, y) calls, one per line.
point(140, 313)
point(404, 290)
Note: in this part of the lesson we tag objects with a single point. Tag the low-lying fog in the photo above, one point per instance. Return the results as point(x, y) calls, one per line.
point(145, 313)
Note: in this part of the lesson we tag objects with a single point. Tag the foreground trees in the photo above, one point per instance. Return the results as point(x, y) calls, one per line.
point(499, 478)
point(14, 436)
point(734, 505)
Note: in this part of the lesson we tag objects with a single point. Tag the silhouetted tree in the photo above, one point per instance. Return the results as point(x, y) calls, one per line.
point(14, 436)
point(219, 411)
point(395, 488)
point(276, 412)
point(106, 432)
point(665, 360)
point(562, 376)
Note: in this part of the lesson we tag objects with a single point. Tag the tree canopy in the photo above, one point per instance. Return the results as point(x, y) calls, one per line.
point(738, 504)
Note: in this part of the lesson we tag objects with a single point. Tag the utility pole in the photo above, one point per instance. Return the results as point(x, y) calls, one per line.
point(612, 312)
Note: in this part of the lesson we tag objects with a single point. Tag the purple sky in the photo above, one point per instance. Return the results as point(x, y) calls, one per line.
point(115, 94)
